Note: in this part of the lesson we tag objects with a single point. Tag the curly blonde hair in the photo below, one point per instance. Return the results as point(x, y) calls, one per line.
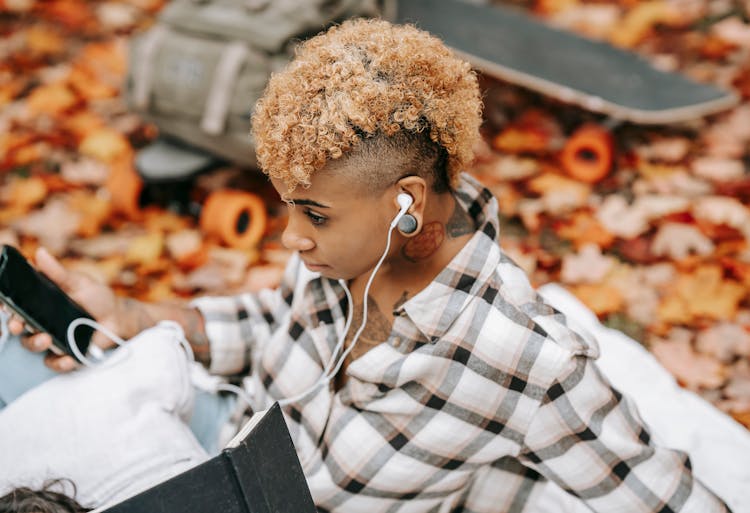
point(365, 79)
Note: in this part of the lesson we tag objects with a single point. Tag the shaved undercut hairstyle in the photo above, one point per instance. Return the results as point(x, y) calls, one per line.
point(391, 97)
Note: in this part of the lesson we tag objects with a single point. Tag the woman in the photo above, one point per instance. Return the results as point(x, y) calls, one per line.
point(418, 369)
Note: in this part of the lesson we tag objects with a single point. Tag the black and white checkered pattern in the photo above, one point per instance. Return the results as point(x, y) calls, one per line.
point(479, 394)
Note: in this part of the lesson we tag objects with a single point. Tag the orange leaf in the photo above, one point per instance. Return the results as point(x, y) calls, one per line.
point(158, 291)
point(10, 142)
point(75, 15)
point(743, 417)
point(94, 212)
point(583, 228)
point(30, 153)
point(738, 270)
point(533, 132)
point(124, 187)
point(82, 123)
point(148, 5)
point(9, 214)
point(42, 41)
point(519, 140)
point(52, 99)
point(548, 7)
point(9, 90)
point(55, 183)
point(601, 299)
point(17, 6)
point(89, 86)
point(107, 58)
point(25, 193)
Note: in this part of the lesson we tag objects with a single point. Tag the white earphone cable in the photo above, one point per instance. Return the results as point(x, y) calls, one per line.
point(332, 369)
point(98, 354)
point(364, 308)
point(95, 351)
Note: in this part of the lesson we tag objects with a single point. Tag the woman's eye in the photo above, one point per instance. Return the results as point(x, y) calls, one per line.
point(315, 218)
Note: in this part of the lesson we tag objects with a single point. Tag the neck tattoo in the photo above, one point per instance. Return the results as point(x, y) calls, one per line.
point(426, 243)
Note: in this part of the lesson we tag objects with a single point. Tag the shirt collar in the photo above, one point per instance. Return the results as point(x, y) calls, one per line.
point(434, 309)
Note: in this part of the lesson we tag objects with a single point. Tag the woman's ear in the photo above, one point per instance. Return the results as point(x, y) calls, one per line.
point(416, 187)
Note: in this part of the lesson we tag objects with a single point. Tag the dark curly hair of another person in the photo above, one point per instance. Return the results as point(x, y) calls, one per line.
point(46, 500)
point(362, 80)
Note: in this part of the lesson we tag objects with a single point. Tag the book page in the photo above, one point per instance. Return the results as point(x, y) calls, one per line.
point(246, 429)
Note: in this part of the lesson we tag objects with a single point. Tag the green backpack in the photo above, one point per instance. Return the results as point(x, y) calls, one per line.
point(197, 73)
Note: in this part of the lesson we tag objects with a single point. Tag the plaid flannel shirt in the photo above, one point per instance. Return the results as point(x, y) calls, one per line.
point(480, 394)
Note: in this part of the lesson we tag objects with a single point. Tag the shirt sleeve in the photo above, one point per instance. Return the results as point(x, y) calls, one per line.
point(238, 326)
point(589, 439)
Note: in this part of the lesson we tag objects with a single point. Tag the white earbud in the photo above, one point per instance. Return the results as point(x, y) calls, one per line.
point(404, 201)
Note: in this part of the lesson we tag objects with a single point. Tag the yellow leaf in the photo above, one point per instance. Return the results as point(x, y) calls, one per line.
point(641, 20)
point(105, 144)
point(156, 219)
point(703, 293)
point(145, 249)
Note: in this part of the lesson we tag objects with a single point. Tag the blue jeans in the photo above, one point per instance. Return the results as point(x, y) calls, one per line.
point(21, 370)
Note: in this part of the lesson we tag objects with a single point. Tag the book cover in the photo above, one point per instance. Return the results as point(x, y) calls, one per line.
point(258, 472)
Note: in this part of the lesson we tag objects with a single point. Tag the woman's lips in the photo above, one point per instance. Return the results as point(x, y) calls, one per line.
point(314, 267)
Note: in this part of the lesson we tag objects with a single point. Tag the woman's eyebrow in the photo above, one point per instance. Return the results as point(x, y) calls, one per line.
point(309, 203)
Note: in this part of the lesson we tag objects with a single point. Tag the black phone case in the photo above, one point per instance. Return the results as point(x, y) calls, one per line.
point(40, 302)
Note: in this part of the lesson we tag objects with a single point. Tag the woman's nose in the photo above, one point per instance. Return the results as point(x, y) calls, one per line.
point(293, 239)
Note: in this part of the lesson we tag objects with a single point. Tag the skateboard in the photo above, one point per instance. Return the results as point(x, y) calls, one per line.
point(514, 47)
point(511, 46)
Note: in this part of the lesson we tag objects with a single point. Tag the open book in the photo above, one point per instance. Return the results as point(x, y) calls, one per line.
point(258, 472)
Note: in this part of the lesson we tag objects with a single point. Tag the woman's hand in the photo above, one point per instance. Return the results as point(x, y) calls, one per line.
point(98, 299)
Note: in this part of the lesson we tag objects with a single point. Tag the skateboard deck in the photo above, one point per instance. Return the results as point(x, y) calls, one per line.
point(512, 46)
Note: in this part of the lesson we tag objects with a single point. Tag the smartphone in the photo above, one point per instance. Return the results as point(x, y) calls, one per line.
point(40, 302)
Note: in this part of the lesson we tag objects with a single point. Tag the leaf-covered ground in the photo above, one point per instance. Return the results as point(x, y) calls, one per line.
point(657, 248)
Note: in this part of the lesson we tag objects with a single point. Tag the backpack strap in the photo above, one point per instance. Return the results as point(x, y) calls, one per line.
point(222, 87)
point(143, 72)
